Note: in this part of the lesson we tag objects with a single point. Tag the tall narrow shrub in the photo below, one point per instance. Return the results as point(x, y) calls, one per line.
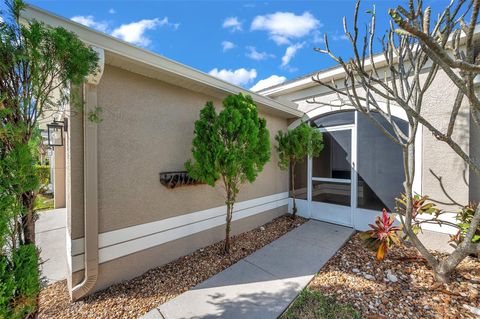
point(38, 65)
point(232, 146)
point(293, 146)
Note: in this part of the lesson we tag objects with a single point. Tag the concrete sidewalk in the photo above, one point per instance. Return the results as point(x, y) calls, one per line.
point(50, 239)
point(263, 284)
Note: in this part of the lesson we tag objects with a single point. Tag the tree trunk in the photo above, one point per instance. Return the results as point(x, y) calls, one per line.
point(228, 228)
point(409, 169)
point(230, 201)
point(28, 220)
point(294, 208)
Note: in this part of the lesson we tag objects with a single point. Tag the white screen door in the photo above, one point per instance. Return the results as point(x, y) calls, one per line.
point(332, 188)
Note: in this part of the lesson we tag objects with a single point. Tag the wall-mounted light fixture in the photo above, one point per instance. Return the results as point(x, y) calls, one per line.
point(55, 132)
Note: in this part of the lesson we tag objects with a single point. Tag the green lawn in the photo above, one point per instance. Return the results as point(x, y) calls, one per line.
point(313, 304)
point(43, 202)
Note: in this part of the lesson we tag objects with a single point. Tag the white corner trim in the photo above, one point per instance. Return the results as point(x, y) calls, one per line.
point(125, 241)
point(68, 248)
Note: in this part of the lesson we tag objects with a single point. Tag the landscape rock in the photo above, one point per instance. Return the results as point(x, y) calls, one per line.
point(412, 296)
point(391, 277)
point(133, 298)
point(473, 310)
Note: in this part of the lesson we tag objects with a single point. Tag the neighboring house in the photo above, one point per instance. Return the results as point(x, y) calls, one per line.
point(121, 221)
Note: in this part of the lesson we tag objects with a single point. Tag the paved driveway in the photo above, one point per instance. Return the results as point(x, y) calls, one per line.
point(263, 284)
point(50, 237)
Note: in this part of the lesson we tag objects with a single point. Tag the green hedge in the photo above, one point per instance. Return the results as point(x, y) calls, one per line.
point(43, 172)
point(20, 283)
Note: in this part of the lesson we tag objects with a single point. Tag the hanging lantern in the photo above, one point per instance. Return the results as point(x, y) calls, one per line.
point(55, 133)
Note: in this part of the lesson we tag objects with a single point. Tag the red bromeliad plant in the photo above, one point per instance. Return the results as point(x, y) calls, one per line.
point(383, 234)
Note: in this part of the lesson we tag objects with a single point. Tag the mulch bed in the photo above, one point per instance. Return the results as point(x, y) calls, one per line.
point(402, 286)
point(133, 298)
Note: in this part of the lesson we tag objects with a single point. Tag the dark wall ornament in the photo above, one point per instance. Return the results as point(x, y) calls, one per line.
point(176, 179)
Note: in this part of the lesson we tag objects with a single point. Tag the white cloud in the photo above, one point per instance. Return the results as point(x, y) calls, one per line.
point(227, 45)
point(112, 11)
point(279, 39)
point(285, 26)
point(134, 32)
point(90, 22)
point(238, 77)
point(268, 82)
point(253, 54)
point(232, 23)
point(290, 53)
point(338, 36)
point(318, 37)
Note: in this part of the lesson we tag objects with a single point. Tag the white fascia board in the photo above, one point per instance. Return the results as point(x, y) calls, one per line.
point(325, 76)
point(122, 48)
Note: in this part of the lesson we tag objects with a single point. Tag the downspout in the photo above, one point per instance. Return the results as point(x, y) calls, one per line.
point(90, 178)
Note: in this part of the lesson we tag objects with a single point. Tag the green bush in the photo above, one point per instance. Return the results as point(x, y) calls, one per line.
point(464, 219)
point(20, 283)
point(43, 173)
point(27, 280)
point(7, 288)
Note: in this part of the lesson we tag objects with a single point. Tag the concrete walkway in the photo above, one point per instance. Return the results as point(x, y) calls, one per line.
point(263, 284)
point(50, 238)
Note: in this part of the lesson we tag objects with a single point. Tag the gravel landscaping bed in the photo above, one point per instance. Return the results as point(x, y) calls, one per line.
point(402, 286)
point(135, 297)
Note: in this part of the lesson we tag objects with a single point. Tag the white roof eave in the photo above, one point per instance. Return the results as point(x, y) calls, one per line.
point(124, 49)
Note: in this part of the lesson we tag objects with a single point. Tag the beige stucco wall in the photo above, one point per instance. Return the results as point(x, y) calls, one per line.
point(147, 128)
point(436, 156)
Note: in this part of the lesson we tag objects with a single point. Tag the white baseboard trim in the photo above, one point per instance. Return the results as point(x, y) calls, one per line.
point(125, 241)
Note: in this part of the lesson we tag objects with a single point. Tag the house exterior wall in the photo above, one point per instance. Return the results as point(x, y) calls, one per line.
point(147, 128)
point(436, 157)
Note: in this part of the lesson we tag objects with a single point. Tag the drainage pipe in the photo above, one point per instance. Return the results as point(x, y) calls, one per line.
point(90, 190)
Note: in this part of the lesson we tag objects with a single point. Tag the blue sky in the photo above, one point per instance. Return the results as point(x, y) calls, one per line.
point(242, 42)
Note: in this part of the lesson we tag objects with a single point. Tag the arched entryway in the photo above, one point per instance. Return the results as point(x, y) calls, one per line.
point(358, 173)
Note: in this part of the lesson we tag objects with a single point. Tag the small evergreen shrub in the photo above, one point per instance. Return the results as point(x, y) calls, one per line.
point(20, 283)
point(43, 173)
